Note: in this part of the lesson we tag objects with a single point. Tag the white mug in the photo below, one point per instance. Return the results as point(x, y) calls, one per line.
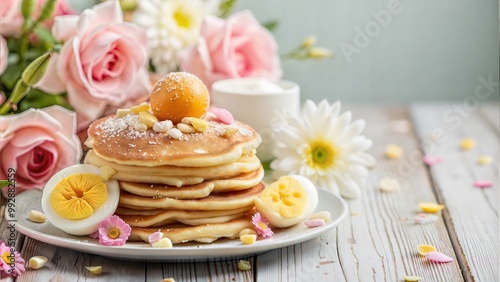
point(257, 102)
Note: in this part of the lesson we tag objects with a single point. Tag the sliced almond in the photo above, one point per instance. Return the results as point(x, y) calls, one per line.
point(163, 243)
point(248, 231)
point(122, 112)
point(142, 107)
point(37, 262)
point(107, 172)
point(37, 216)
point(230, 131)
point(244, 265)
point(148, 119)
point(199, 124)
point(248, 239)
point(94, 269)
point(185, 128)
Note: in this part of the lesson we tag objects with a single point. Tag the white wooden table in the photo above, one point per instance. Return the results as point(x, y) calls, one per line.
point(377, 241)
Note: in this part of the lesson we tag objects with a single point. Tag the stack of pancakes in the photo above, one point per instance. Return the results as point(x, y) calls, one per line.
point(199, 187)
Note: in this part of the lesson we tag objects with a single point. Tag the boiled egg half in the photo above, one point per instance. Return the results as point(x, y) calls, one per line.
point(288, 201)
point(76, 199)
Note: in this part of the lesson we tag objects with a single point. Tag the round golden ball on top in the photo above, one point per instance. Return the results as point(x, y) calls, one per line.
point(178, 95)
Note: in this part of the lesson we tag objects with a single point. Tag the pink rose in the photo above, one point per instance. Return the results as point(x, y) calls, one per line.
point(36, 144)
point(4, 54)
point(236, 47)
point(11, 19)
point(102, 62)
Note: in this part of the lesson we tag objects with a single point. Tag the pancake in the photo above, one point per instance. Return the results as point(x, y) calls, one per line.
point(114, 140)
point(137, 218)
point(220, 201)
point(207, 233)
point(245, 163)
point(240, 182)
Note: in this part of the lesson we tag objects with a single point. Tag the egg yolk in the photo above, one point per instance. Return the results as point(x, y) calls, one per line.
point(78, 195)
point(286, 197)
point(179, 95)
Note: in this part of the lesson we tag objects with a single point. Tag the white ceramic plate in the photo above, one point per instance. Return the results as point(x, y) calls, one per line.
point(221, 249)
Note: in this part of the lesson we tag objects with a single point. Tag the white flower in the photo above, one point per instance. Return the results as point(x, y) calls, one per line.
point(171, 25)
point(324, 147)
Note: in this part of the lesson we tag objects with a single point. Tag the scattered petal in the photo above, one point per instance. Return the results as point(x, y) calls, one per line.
point(412, 278)
point(432, 160)
point(430, 207)
point(314, 223)
point(467, 144)
point(94, 269)
point(424, 249)
point(155, 237)
point(423, 218)
point(393, 151)
point(438, 257)
point(223, 115)
point(482, 184)
point(388, 184)
point(355, 213)
point(484, 160)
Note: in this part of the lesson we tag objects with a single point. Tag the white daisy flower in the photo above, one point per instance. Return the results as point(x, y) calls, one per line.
point(324, 146)
point(171, 25)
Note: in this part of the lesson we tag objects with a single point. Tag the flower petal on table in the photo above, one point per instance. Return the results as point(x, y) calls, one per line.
point(438, 257)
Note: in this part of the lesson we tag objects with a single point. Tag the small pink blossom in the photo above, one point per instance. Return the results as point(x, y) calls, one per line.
point(432, 160)
point(482, 184)
point(261, 225)
point(11, 262)
point(113, 231)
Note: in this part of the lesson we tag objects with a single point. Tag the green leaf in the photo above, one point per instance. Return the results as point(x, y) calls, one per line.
point(226, 7)
point(44, 36)
point(47, 10)
point(5, 183)
point(271, 25)
point(27, 8)
point(39, 99)
point(11, 75)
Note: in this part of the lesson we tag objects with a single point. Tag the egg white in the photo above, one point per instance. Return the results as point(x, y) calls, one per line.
point(277, 220)
point(87, 225)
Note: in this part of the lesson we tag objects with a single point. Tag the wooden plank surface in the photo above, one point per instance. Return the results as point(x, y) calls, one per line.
point(471, 213)
point(378, 239)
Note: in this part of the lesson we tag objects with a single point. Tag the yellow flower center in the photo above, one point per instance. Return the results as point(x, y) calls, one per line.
point(114, 233)
point(182, 18)
point(262, 225)
point(6, 257)
point(321, 154)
